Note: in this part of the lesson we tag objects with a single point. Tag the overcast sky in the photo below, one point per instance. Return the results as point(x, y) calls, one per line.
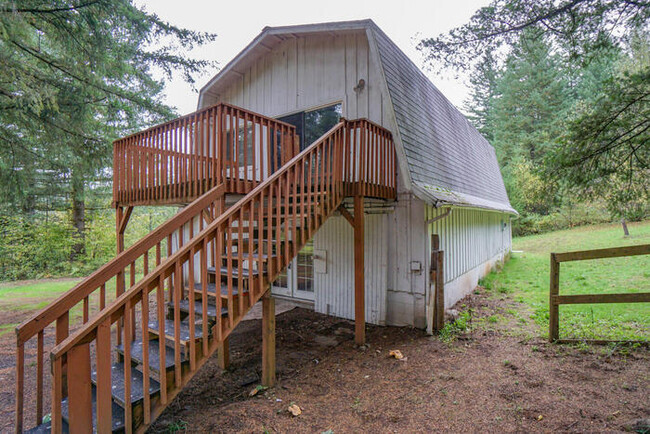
point(238, 22)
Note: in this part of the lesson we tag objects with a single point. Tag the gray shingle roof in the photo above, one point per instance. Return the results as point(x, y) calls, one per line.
point(449, 160)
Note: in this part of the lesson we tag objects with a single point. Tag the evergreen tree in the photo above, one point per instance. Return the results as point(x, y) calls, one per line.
point(583, 33)
point(77, 74)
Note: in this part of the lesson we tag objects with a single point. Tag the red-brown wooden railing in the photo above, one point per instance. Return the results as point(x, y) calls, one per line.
point(94, 293)
point(178, 161)
point(273, 221)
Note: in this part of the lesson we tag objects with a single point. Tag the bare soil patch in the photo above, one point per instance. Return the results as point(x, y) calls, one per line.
point(497, 378)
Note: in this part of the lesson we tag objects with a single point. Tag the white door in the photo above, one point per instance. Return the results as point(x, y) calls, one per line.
point(297, 281)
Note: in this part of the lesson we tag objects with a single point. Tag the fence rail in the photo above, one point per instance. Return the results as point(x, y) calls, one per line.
point(555, 299)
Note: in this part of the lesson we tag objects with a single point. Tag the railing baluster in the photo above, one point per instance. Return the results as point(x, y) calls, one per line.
point(20, 385)
point(85, 310)
point(57, 396)
point(104, 379)
point(231, 313)
point(177, 323)
point(39, 377)
point(145, 357)
point(191, 300)
point(102, 296)
point(204, 297)
point(162, 349)
point(128, 330)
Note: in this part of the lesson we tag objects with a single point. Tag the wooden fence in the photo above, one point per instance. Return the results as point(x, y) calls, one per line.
point(556, 299)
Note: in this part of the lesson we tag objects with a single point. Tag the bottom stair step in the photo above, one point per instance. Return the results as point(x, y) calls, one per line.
point(46, 428)
point(137, 384)
point(117, 413)
point(154, 355)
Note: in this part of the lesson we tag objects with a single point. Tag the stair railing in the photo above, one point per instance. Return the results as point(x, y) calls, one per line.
point(276, 219)
point(93, 293)
point(177, 161)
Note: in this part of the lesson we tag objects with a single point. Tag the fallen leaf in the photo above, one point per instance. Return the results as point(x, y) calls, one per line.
point(396, 353)
point(257, 390)
point(540, 417)
point(294, 410)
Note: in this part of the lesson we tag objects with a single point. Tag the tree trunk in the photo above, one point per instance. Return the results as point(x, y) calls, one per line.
point(78, 214)
point(625, 231)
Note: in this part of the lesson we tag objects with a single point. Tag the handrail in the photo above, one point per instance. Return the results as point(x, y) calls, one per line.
point(135, 259)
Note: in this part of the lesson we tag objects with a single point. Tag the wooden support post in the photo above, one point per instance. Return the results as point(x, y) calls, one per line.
point(223, 354)
point(359, 275)
point(268, 339)
point(439, 314)
point(553, 308)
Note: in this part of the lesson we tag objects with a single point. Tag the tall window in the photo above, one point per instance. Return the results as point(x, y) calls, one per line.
point(312, 124)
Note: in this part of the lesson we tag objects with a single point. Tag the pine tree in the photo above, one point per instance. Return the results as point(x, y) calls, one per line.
point(76, 74)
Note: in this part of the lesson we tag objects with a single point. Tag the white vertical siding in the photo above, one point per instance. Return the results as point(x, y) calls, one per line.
point(334, 290)
point(310, 71)
point(469, 237)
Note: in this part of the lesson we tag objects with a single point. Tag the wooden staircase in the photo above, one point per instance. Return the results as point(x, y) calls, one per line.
point(119, 370)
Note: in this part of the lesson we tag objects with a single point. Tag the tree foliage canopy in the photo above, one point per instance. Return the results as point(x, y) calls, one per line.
point(562, 88)
point(75, 75)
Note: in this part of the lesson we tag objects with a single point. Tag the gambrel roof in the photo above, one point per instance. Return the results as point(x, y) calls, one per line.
point(446, 159)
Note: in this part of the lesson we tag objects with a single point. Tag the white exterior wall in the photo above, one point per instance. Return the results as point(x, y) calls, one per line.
point(472, 241)
point(334, 289)
point(307, 72)
point(406, 267)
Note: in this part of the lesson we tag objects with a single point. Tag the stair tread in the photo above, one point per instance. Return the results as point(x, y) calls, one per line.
point(154, 354)
point(117, 412)
point(198, 308)
point(224, 289)
point(184, 329)
point(137, 384)
point(235, 271)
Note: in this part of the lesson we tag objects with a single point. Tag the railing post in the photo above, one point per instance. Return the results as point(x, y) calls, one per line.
point(553, 308)
point(268, 339)
point(80, 389)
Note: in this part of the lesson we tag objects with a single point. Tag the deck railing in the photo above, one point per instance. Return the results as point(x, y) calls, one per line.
point(178, 161)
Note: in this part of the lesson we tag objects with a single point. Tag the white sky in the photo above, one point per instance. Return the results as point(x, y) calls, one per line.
point(238, 22)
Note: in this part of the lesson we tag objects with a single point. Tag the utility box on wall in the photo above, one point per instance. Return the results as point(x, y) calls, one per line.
point(320, 261)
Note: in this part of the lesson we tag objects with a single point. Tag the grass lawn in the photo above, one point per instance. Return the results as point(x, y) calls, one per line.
point(526, 277)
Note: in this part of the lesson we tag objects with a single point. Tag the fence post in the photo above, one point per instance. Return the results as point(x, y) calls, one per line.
point(553, 308)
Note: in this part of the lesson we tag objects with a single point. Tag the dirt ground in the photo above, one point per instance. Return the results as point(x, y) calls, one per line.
point(498, 377)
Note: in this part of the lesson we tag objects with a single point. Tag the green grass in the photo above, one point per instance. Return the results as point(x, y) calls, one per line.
point(28, 297)
point(526, 278)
